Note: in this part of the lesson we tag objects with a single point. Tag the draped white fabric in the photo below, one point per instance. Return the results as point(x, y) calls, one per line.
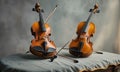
point(31, 63)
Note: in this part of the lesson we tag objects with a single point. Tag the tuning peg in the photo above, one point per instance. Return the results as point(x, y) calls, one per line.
point(90, 10)
point(33, 9)
point(96, 6)
point(98, 11)
point(42, 10)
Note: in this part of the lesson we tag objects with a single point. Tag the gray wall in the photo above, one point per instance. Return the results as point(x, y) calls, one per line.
point(16, 18)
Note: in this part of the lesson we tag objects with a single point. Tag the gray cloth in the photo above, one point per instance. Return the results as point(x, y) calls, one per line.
point(31, 63)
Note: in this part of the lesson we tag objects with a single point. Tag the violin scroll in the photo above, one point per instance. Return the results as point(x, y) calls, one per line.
point(37, 8)
point(95, 9)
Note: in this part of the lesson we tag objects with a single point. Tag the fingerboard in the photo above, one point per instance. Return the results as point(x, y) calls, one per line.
point(41, 23)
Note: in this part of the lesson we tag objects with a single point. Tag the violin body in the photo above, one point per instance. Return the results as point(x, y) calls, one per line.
point(82, 46)
point(41, 45)
point(36, 47)
point(36, 30)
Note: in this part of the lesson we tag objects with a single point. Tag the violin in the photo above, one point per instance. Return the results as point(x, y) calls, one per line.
point(82, 46)
point(41, 45)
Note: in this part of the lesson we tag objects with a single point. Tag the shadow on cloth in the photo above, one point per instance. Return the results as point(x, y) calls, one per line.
point(65, 53)
point(29, 57)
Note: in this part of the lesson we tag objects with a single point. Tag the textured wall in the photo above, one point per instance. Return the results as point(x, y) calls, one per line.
point(16, 18)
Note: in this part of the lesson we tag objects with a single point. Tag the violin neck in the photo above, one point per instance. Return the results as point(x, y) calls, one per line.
point(87, 21)
point(41, 23)
point(85, 28)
